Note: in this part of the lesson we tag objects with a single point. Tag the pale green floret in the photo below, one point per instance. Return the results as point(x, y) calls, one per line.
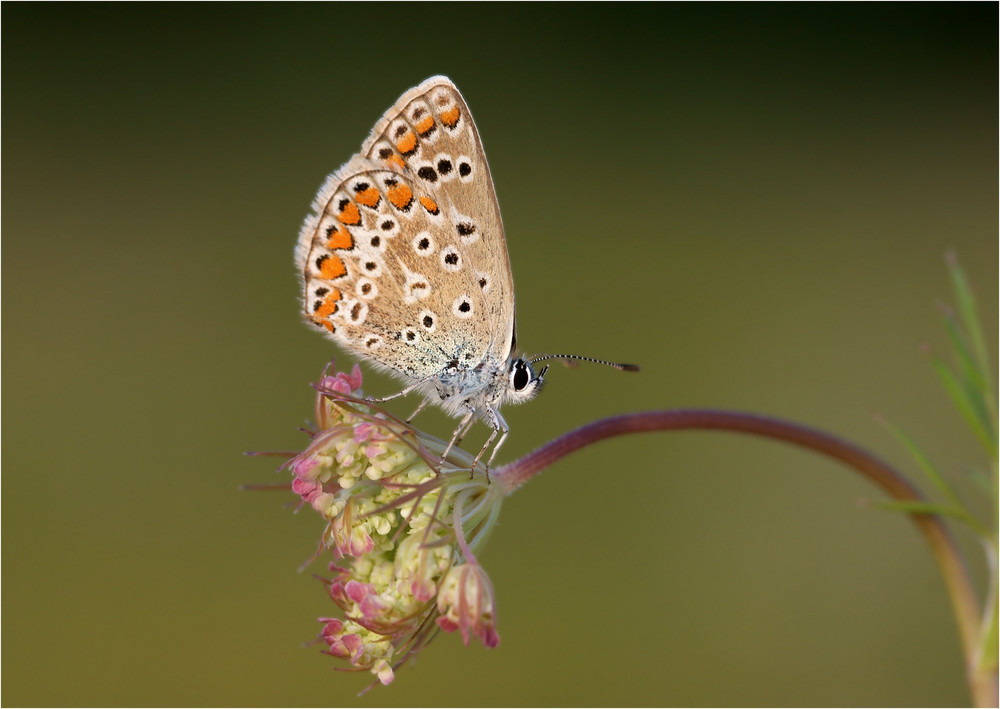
point(378, 526)
point(415, 558)
point(327, 464)
point(424, 511)
point(347, 452)
point(375, 645)
point(383, 670)
point(333, 507)
point(349, 477)
point(364, 568)
point(383, 524)
point(392, 458)
point(380, 574)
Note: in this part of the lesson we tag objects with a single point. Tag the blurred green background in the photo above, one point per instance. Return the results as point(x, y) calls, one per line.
point(753, 202)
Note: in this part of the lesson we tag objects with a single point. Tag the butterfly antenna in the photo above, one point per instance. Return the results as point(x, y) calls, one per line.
point(616, 365)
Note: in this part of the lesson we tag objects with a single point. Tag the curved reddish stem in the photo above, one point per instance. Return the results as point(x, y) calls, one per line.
point(946, 552)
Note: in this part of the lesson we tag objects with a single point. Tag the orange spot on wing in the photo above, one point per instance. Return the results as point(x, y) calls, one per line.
point(350, 214)
point(450, 117)
point(429, 204)
point(368, 197)
point(397, 161)
point(339, 239)
point(407, 143)
point(425, 125)
point(401, 196)
point(332, 267)
point(328, 308)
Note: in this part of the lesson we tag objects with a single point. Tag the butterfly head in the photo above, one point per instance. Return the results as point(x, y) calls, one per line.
point(523, 382)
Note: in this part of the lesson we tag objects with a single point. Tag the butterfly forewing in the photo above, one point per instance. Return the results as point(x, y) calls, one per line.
point(430, 133)
point(393, 269)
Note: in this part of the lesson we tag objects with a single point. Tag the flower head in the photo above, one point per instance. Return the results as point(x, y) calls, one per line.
point(402, 525)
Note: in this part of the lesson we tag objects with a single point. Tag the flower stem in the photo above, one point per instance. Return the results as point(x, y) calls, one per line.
point(982, 683)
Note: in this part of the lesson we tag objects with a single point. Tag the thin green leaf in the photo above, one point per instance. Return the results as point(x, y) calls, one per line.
point(970, 408)
point(923, 462)
point(983, 481)
point(970, 320)
point(966, 364)
point(931, 508)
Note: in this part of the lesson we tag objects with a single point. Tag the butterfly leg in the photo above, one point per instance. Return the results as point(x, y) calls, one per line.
point(499, 427)
point(421, 407)
point(467, 423)
point(407, 390)
point(463, 427)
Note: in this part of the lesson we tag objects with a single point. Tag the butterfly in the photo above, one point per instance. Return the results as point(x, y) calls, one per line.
point(404, 263)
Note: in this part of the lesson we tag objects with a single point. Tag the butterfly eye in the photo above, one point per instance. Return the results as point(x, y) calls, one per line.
point(521, 376)
point(523, 382)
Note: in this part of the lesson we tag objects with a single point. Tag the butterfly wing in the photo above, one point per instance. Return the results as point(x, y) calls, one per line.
point(404, 260)
point(430, 133)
